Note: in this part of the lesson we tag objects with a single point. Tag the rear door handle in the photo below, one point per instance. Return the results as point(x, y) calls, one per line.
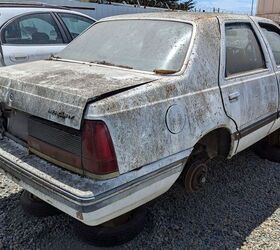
point(233, 96)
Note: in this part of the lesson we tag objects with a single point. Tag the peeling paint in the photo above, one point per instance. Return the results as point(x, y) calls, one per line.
point(62, 88)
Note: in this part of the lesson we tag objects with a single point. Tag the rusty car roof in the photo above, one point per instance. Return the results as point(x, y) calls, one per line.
point(178, 15)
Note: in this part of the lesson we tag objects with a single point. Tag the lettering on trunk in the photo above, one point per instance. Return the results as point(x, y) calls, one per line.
point(61, 114)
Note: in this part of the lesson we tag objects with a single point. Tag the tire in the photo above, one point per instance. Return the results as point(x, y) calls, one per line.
point(35, 207)
point(268, 151)
point(113, 234)
point(195, 172)
point(269, 147)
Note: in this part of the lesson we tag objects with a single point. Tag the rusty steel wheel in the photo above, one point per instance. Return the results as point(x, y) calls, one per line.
point(195, 175)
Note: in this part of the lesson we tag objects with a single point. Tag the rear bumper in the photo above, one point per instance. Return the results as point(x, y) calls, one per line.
point(90, 201)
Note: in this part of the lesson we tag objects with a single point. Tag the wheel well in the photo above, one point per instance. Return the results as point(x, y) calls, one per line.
point(215, 143)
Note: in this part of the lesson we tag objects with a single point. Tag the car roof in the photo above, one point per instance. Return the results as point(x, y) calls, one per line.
point(8, 12)
point(179, 15)
point(262, 19)
point(29, 4)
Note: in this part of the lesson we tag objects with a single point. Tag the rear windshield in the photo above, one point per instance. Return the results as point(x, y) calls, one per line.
point(147, 45)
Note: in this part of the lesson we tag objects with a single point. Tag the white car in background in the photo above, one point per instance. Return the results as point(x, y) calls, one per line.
point(30, 32)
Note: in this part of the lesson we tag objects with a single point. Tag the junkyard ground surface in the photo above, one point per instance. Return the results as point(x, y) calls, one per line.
point(240, 208)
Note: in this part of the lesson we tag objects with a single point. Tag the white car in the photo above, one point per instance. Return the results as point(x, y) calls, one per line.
point(131, 105)
point(30, 32)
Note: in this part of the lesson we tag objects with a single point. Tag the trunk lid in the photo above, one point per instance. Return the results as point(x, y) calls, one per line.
point(59, 91)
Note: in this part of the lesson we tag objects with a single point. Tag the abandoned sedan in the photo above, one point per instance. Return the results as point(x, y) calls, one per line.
point(136, 101)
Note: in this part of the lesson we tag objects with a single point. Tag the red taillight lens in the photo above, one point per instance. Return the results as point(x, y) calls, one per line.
point(98, 154)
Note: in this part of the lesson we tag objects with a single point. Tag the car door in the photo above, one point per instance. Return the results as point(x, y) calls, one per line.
point(74, 24)
point(271, 34)
point(248, 83)
point(31, 37)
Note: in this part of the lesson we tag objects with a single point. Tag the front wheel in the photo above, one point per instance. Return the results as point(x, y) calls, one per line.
point(269, 147)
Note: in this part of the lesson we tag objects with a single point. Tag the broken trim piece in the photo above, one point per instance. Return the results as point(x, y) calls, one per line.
point(118, 91)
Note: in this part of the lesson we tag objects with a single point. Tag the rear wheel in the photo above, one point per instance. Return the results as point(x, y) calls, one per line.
point(34, 206)
point(194, 175)
point(115, 232)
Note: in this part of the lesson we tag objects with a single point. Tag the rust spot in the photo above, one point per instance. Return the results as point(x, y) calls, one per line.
point(79, 215)
point(165, 71)
point(169, 90)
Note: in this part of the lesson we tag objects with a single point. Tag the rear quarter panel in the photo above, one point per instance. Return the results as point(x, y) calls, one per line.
point(168, 116)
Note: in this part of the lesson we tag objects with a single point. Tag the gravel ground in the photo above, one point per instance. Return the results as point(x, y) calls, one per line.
point(239, 209)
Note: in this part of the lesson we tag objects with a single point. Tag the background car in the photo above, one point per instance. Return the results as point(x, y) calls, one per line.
point(30, 32)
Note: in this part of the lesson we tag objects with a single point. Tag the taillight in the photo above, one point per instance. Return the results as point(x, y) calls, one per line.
point(98, 154)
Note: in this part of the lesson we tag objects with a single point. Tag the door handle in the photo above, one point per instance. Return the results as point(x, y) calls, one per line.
point(233, 96)
point(19, 58)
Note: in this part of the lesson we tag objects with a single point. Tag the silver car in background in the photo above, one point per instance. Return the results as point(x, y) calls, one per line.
point(30, 32)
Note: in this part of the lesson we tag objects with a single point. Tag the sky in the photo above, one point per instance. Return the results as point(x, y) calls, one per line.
point(239, 6)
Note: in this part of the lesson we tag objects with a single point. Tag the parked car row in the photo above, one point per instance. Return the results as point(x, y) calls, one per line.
point(132, 104)
point(33, 32)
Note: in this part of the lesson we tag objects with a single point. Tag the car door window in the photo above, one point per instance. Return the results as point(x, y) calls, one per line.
point(76, 24)
point(34, 29)
point(243, 50)
point(272, 34)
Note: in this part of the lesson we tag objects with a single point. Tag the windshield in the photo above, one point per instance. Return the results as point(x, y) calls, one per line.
point(148, 45)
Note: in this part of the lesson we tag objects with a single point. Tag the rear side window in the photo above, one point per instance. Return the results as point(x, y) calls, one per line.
point(272, 34)
point(243, 50)
point(75, 24)
point(34, 29)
